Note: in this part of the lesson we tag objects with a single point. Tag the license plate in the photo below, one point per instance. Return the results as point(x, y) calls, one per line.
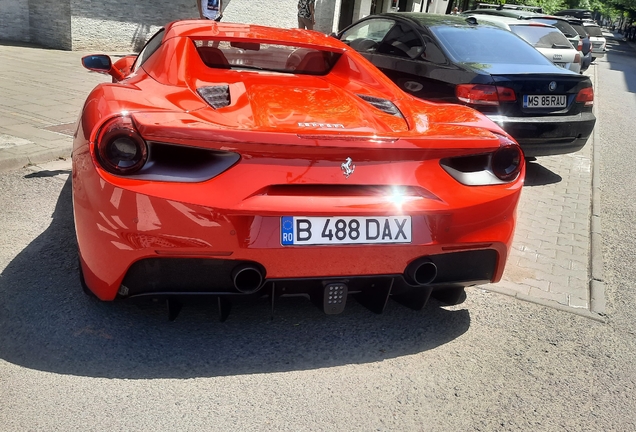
point(301, 230)
point(545, 101)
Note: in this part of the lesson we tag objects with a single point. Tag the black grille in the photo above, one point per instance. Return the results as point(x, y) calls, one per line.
point(382, 104)
point(216, 96)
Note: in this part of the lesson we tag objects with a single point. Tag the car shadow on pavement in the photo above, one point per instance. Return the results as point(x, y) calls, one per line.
point(47, 173)
point(538, 175)
point(47, 323)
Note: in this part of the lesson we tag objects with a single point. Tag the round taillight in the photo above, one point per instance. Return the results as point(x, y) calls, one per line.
point(120, 148)
point(506, 162)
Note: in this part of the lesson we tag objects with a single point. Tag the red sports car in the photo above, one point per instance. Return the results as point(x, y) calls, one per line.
point(229, 160)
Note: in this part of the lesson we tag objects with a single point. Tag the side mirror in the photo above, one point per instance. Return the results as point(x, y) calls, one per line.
point(102, 63)
point(97, 63)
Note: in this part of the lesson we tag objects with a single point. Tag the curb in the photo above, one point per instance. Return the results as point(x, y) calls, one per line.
point(45, 155)
point(597, 287)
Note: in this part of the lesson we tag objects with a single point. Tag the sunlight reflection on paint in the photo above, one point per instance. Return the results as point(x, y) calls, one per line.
point(106, 230)
point(121, 246)
point(110, 224)
point(116, 197)
point(119, 222)
point(193, 216)
point(398, 199)
point(146, 215)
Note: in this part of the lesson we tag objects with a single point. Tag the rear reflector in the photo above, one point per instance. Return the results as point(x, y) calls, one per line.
point(586, 95)
point(480, 94)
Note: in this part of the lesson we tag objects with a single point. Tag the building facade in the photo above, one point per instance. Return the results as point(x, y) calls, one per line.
point(125, 25)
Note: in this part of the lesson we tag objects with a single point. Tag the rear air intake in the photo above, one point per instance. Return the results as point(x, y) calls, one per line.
point(382, 104)
point(216, 96)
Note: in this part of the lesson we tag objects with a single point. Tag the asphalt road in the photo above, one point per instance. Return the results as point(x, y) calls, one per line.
point(68, 362)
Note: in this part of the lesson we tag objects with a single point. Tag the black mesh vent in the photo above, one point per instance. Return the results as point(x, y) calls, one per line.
point(216, 96)
point(382, 104)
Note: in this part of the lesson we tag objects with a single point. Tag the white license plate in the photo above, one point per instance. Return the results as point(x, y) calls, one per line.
point(301, 230)
point(545, 101)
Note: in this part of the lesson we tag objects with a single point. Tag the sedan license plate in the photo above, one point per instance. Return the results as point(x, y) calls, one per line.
point(302, 230)
point(544, 101)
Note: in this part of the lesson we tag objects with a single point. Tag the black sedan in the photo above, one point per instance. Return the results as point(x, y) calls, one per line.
point(445, 58)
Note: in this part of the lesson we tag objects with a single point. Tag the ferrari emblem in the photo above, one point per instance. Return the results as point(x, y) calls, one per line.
point(347, 167)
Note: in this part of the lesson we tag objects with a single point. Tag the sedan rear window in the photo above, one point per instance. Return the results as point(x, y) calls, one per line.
point(541, 37)
point(594, 31)
point(265, 57)
point(486, 45)
point(580, 30)
point(564, 26)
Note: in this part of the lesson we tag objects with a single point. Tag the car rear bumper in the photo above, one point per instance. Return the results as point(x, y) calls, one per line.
point(550, 135)
point(135, 244)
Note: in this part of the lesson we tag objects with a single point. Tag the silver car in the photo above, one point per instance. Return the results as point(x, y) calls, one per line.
point(548, 40)
point(596, 37)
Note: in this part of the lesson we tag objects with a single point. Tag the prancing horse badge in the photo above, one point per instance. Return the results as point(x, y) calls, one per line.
point(347, 167)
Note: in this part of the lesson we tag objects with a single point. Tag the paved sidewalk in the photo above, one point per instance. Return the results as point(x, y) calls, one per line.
point(556, 257)
point(42, 92)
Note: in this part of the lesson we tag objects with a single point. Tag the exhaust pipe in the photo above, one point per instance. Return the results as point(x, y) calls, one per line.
point(247, 278)
point(421, 272)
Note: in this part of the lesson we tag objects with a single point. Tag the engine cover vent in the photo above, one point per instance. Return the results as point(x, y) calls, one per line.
point(382, 104)
point(216, 96)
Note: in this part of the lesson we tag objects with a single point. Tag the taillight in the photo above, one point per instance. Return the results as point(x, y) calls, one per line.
point(579, 47)
point(586, 95)
point(120, 148)
point(577, 58)
point(481, 94)
point(498, 167)
point(506, 161)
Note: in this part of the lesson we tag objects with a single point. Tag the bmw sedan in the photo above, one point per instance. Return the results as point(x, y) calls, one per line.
point(547, 39)
point(444, 58)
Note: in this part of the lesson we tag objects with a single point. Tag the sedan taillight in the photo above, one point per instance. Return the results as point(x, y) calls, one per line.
point(586, 95)
point(481, 94)
point(579, 46)
point(120, 149)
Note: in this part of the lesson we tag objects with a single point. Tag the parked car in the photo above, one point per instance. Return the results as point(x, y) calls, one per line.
point(563, 25)
point(234, 160)
point(558, 22)
point(582, 14)
point(444, 58)
point(548, 40)
point(586, 44)
point(599, 43)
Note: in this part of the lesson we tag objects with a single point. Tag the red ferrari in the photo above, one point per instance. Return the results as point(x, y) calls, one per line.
point(229, 160)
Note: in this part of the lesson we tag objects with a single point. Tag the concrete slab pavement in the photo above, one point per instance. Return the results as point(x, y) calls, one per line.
point(551, 262)
point(41, 94)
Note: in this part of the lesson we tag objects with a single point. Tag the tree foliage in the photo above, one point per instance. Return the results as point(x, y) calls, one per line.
point(608, 9)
